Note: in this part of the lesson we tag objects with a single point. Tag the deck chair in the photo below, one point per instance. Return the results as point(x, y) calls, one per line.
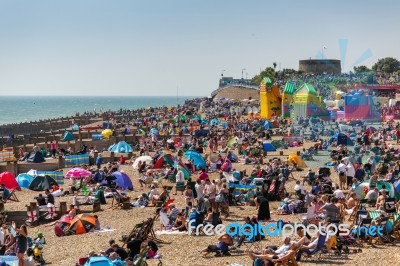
point(353, 215)
point(386, 237)
point(364, 222)
point(118, 200)
point(311, 178)
point(310, 217)
point(291, 261)
point(10, 195)
point(390, 205)
point(315, 252)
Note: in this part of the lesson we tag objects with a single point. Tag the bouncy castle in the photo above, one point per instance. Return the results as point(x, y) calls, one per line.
point(287, 98)
point(307, 103)
point(270, 99)
point(359, 105)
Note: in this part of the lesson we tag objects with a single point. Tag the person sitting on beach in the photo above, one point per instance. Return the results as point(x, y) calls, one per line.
point(120, 251)
point(270, 259)
point(173, 213)
point(115, 259)
point(221, 248)
point(154, 194)
point(41, 201)
point(180, 223)
point(58, 193)
point(121, 159)
point(141, 202)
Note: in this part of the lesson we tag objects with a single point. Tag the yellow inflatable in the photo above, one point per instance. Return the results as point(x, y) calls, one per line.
point(107, 133)
point(295, 158)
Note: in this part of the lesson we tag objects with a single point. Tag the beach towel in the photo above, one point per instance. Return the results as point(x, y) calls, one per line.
point(103, 230)
point(170, 232)
point(76, 160)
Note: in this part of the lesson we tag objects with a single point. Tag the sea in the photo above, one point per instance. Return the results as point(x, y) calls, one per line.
point(16, 109)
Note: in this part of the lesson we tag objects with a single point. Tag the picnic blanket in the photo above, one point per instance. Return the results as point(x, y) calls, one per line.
point(76, 160)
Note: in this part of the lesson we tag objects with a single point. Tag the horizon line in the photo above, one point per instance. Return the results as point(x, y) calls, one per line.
point(103, 96)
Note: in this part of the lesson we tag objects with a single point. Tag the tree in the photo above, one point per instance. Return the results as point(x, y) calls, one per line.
point(268, 72)
point(361, 69)
point(387, 65)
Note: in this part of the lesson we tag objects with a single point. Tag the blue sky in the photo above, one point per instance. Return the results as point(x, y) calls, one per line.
point(130, 47)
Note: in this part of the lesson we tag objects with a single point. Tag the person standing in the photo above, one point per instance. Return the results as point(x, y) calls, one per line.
point(53, 146)
point(210, 193)
point(21, 242)
point(342, 169)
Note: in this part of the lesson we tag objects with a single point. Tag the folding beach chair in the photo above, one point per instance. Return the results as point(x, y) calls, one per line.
point(10, 195)
point(315, 252)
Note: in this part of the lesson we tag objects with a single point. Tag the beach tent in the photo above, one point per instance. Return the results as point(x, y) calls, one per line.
point(8, 180)
point(268, 125)
point(362, 189)
point(61, 224)
point(185, 170)
point(232, 142)
point(123, 180)
point(75, 127)
point(397, 185)
point(197, 159)
point(226, 166)
point(35, 157)
point(24, 180)
point(107, 133)
point(120, 147)
point(142, 159)
point(278, 144)
point(153, 131)
point(68, 136)
point(98, 261)
point(232, 157)
point(268, 147)
point(201, 133)
point(341, 139)
point(294, 157)
point(214, 122)
point(164, 158)
point(42, 182)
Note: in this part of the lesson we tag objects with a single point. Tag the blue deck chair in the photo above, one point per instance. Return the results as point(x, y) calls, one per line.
point(315, 251)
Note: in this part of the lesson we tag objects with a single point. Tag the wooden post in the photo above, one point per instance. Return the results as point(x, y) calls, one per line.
point(63, 208)
point(1, 206)
point(60, 162)
point(112, 156)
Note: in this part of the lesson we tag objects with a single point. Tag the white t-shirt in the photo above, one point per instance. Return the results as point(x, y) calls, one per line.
point(342, 167)
point(180, 177)
point(338, 194)
point(153, 192)
point(371, 195)
point(57, 193)
point(350, 170)
point(210, 190)
point(199, 190)
point(299, 187)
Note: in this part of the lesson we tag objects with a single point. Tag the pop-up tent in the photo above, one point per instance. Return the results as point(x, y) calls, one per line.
point(122, 180)
point(167, 158)
point(98, 261)
point(295, 158)
point(24, 180)
point(8, 180)
point(268, 147)
point(197, 159)
point(120, 147)
point(341, 139)
point(42, 182)
point(362, 189)
point(68, 136)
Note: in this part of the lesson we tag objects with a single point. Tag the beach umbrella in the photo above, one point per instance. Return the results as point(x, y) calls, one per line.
point(197, 159)
point(8, 180)
point(81, 224)
point(142, 159)
point(107, 133)
point(120, 147)
point(24, 180)
point(371, 129)
point(68, 136)
point(186, 172)
point(123, 180)
point(78, 173)
point(42, 182)
point(61, 224)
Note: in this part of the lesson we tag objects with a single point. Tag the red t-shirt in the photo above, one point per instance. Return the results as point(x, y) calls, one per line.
point(203, 176)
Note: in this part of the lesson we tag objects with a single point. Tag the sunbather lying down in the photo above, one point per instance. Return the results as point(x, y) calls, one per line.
point(270, 259)
point(221, 248)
